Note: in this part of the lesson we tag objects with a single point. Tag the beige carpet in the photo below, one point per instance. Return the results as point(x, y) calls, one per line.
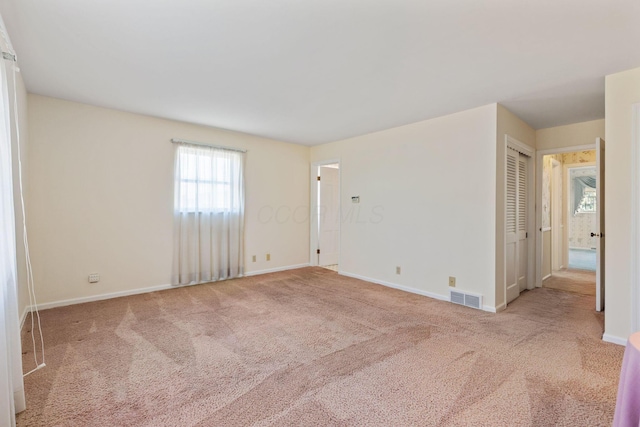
point(311, 348)
point(570, 280)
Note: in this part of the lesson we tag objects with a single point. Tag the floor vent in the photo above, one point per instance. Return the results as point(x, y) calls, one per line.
point(466, 298)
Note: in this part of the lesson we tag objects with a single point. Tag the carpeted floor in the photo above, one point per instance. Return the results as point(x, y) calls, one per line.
point(582, 259)
point(579, 281)
point(308, 347)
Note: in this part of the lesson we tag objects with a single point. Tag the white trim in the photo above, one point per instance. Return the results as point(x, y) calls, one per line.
point(539, 164)
point(614, 339)
point(635, 218)
point(520, 147)
point(498, 308)
point(100, 297)
point(23, 317)
point(584, 165)
point(562, 150)
point(546, 277)
point(313, 205)
point(275, 270)
point(396, 286)
point(81, 300)
point(409, 289)
point(556, 197)
point(489, 309)
point(567, 201)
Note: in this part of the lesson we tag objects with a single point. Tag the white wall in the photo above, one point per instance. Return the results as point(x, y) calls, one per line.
point(572, 135)
point(101, 198)
point(427, 203)
point(622, 90)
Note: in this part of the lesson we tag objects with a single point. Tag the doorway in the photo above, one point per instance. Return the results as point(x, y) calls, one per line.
point(325, 229)
point(570, 246)
point(582, 227)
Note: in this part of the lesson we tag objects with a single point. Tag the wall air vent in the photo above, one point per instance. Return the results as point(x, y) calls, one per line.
point(466, 298)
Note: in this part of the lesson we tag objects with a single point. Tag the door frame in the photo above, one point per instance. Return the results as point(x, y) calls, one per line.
point(567, 172)
point(313, 210)
point(539, 164)
point(635, 219)
point(558, 194)
point(528, 151)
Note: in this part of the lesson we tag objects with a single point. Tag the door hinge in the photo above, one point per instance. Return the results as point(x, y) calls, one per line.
point(526, 235)
point(318, 178)
point(318, 251)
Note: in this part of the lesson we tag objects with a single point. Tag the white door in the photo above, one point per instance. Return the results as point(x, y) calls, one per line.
point(328, 215)
point(523, 247)
point(516, 224)
point(599, 234)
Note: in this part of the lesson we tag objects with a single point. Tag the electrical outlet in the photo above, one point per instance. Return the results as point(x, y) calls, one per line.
point(398, 270)
point(268, 257)
point(452, 281)
point(94, 278)
point(253, 258)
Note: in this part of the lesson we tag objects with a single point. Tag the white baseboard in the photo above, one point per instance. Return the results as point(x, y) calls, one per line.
point(19, 400)
point(499, 308)
point(546, 277)
point(396, 286)
point(100, 297)
point(275, 270)
point(23, 317)
point(408, 289)
point(614, 339)
point(72, 301)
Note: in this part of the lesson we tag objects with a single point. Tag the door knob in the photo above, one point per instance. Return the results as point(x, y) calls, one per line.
point(595, 235)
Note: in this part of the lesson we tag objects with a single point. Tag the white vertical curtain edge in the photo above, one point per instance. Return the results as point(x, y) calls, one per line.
point(11, 380)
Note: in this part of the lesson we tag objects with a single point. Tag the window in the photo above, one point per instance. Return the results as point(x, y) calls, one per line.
point(588, 202)
point(583, 189)
point(208, 214)
point(208, 179)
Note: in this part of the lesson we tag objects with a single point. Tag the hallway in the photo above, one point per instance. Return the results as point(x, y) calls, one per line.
point(569, 280)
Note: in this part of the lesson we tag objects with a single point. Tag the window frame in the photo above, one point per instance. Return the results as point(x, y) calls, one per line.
point(184, 178)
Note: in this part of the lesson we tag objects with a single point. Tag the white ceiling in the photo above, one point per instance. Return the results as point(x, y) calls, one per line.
point(317, 71)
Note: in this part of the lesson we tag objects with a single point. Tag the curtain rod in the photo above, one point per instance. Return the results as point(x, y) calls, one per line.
point(202, 144)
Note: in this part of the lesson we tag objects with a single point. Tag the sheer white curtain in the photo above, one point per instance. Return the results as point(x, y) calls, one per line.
point(11, 384)
point(208, 214)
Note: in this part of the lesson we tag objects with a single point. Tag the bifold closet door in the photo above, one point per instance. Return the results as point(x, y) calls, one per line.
point(516, 224)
